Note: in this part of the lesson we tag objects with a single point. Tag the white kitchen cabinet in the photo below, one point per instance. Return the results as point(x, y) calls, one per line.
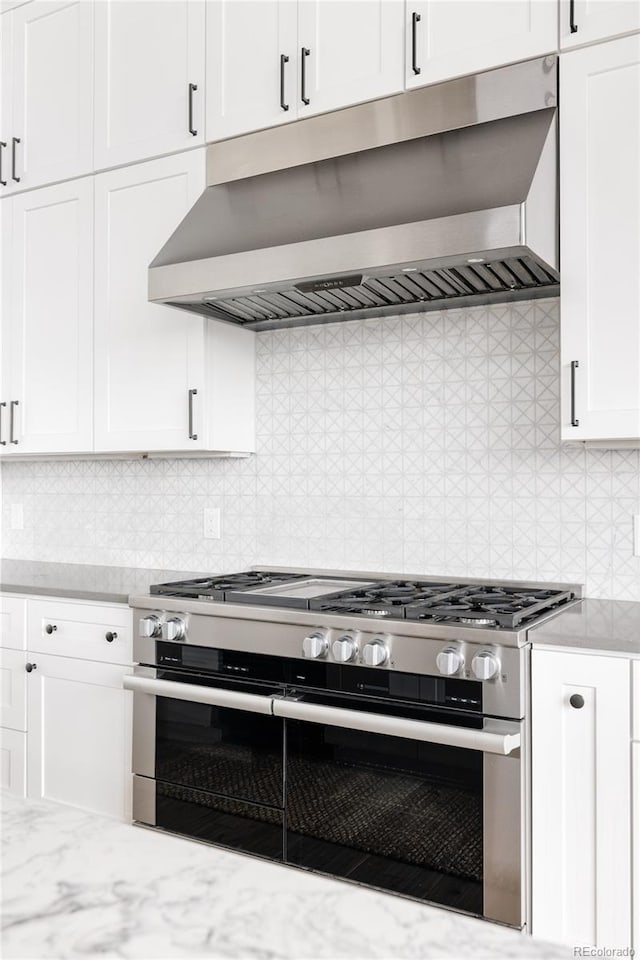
point(588, 21)
point(13, 705)
point(581, 801)
point(6, 105)
point(164, 379)
point(600, 239)
point(86, 631)
point(13, 765)
point(635, 828)
point(252, 65)
point(6, 5)
point(13, 623)
point(50, 61)
point(79, 734)
point(48, 322)
point(445, 40)
point(349, 51)
point(149, 79)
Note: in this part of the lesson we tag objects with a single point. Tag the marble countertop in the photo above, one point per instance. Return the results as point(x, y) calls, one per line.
point(78, 885)
point(607, 626)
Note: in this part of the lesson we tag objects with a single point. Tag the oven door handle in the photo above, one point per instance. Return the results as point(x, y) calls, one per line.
point(216, 696)
point(497, 736)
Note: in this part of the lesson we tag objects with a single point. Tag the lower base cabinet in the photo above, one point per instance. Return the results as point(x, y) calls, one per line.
point(581, 799)
point(13, 766)
point(79, 734)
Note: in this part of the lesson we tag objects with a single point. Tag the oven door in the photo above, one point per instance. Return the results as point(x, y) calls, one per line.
point(423, 802)
point(208, 759)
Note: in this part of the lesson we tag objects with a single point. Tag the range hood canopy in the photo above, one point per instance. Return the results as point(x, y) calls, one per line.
point(434, 198)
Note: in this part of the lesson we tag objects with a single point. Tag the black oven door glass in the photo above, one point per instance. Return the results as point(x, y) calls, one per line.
point(393, 813)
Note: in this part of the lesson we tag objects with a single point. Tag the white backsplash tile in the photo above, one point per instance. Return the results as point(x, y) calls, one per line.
point(427, 444)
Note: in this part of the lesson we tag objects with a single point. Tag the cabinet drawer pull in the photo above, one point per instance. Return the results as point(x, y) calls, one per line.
point(3, 144)
point(50, 628)
point(30, 666)
point(283, 59)
point(110, 636)
point(574, 366)
point(2, 442)
point(192, 89)
point(577, 701)
point(12, 406)
point(415, 20)
point(306, 52)
point(573, 26)
point(15, 141)
point(192, 435)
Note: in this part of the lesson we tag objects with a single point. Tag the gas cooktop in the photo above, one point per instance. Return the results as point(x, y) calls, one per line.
point(498, 606)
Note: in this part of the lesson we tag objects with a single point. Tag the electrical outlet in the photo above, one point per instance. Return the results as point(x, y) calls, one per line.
point(636, 535)
point(212, 523)
point(17, 516)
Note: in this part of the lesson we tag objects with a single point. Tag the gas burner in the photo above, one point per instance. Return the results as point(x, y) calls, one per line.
point(489, 606)
point(217, 588)
point(480, 622)
point(386, 599)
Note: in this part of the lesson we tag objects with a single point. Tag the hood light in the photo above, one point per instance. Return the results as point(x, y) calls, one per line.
point(409, 269)
point(475, 260)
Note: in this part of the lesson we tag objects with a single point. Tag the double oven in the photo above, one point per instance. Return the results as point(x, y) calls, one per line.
point(410, 782)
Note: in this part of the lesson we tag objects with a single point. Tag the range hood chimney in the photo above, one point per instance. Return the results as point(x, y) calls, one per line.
point(435, 198)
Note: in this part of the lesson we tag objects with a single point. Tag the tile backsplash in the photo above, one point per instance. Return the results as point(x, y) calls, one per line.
point(426, 444)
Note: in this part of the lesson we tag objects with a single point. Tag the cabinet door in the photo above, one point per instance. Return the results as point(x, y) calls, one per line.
point(79, 734)
point(13, 623)
point(6, 234)
point(252, 50)
point(594, 20)
point(600, 240)
point(13, 707)
point(13, 761)
point(52, 319)
point(349, 51)
point(635, 764)
point(148, 357)
point(52, 92)
point(581, 804)
point(445, 40)
point(6, 105)
point(148, 58)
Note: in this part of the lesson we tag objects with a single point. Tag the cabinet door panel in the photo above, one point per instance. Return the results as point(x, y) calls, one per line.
point(455, 39)
point(52, 91)
point(52, 319)
point(581, 799)
point(13, 761)
point(635, 761)
point(148, 357)
point(147, 54)
point(6, 104)
point(79, 735)
point(597, 20)
point(6, 235)
point(13, 623)
point(245, 42)
point(600, 239)
point(13, 707)
point(355, 52)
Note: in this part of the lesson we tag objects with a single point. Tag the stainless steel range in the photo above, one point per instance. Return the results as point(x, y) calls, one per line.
point(371, 728)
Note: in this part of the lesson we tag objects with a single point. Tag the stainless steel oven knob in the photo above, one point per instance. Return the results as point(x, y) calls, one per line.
point(173, 629)
point(149, 626)
point(344, 649)
point(375, 653)
point(450, 661)
point(315, 645)
point(485, 665)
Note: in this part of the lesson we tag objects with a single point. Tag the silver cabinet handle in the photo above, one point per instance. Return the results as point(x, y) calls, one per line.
point(192, 89)
point(14, 143)
point(497, 736)
point(574, 366)
point(192, 435)
point(250, 702)
point(12, 406)
point(2, 442)
point(3, 144)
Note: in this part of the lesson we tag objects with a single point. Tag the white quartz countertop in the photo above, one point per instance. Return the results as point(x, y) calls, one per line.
point(605, 626)
point(77, 885)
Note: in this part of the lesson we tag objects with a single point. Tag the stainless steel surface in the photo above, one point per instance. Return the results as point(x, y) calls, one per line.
point(149, 685)
point(449, 661)
point(344, 648)
point(149, 626)
point(504, 837)
point(375, 653)
point(173, 628)
point(315, 645)
point(144, 800)
point(316, 587)
point(485, 665)
point(501, 737)
point(332, 216)
point(2, 406)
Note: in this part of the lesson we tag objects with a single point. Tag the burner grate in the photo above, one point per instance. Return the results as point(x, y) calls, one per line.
point(217, 588)
point(505, 607)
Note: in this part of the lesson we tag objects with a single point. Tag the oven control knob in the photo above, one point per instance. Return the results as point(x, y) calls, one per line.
point(149, 626)
point(173, 629)
point(315, 645)
point(375, 653)
point(450, 661)
point(344, 649)
point(485, 665)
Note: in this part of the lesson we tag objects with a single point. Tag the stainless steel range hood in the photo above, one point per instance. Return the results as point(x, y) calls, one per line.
point(434, 198)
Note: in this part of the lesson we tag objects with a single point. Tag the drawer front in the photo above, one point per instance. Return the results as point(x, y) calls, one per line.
point(82, 630)
point(13, 623)
point(13, 766)
point(635, 699)
point(13, 689)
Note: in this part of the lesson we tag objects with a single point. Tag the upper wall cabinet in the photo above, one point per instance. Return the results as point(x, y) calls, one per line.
point(445, 39)
point(600, 241)
point(271, 61)
point(149, 79)
point(47, 66)
point(587, 21)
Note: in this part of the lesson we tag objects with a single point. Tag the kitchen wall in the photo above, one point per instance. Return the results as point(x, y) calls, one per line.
point(426, 444)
